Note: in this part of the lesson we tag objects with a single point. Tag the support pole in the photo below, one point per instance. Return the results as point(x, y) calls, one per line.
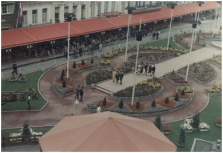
point(137, 55)
point(68, 50)
point(215, 21)
point(197, 20)
point(169, 29)
point(126, 48)
point(189, 56)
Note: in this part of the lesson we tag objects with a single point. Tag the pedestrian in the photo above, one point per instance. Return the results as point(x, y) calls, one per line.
point(14, 67)
point(153, 71)
point(76, 102)
point(77, 92)
point(138, 69)
point(133, 69)
point(146, 67)
point(98, 109)
point(100, 47)
point(80, 51)
point(114, 75)
point(28, 103)
point(81, 94)
point(150, 68)
point(117, 77)
point(141, 70)
point(121, 75)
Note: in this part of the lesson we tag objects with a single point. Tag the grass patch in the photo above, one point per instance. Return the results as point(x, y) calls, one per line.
point(43, 129)
point(163, 43)
point(208, 115)
point(32, 80)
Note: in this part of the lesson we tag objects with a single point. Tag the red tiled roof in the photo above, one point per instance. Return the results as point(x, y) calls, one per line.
point(30, 35)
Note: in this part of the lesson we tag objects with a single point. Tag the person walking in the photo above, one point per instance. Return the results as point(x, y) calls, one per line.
point(117, 77)
point(77, 92)
point(76, 102)
point(81, 94)
point(114, 75)
point(146, 67)
point(121, 75)
point(98, 109)
point(14, 67)
point(153, 71)
point(150, 69)
point(141, 70)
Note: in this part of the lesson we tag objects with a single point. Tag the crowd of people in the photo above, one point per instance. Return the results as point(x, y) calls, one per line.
point(145, 70)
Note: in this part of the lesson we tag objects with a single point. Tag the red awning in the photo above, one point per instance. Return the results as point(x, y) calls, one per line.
point(30, 35)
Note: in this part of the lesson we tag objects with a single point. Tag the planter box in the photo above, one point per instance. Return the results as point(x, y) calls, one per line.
point(218, 125)
point(203, 130)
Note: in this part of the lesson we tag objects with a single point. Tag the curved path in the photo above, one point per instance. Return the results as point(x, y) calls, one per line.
point(57, 107)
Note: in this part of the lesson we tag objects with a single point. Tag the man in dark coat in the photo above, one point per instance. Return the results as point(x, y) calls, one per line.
point(77, 92)
point(150, 68)
point(146, 67)
point(153, 70)
point(117, 77)
point(81, 93)
point(14, 67)
point(121, 75)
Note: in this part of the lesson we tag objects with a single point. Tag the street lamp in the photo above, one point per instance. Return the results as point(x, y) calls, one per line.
point(194, 26)
point(29, 46)
point(52, 42)
point(130, 11)
point(171, 16)
point(198, 13)
point(8, 50)
point(138, 38)
point(68, 49)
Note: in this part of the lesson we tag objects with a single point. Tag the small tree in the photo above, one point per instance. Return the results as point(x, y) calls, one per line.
point(167, 100)
point(158, 122)
point(138, 105)
point(26, 130)
point(196, 120)
point(176, 97)
point(182, 137)
point(104, 101)
point(121, 104)
point(74, 65)
point(61, 77)
point(153, 103)
point(82, 62)
point(182, 92)
point(92, 61)
point(64, 84)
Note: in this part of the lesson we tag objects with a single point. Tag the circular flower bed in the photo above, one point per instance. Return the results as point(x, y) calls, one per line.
point(97, 76)
point(105, 62)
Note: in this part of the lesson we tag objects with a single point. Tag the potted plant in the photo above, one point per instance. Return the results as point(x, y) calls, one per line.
point(181, 140)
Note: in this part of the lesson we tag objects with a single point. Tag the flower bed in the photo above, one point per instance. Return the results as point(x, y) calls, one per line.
point(105, 62)
point(108, 104)
point(170, 104)
point(218, 121)
point(143, 88)
point(214, 89)
point(133, 107)
point(175, 78)
point(97, 76)
point(216, 59)
point(85, 66)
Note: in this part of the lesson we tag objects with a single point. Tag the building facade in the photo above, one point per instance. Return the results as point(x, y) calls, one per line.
point(50, 12)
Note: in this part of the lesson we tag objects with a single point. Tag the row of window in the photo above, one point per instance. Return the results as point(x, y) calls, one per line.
point(7, 9)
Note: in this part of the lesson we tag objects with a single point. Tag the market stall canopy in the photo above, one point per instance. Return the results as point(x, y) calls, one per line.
point(107, 132)
point(30, 35)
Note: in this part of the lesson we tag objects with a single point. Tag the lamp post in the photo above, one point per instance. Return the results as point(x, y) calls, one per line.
point(29, 46)
point(130, 11)
point(215, 21)
point(198, 13)
point(68, 49)
point(171, 16)
point(8, 50)
point(194, 25)
point(52, 42)
point(138, 38)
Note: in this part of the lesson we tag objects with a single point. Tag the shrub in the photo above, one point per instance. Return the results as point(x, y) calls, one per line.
point(176, 97)
point(167, 100)
point(196, 120)
point(64, 84)
point(82, 62)
point(92, 61)
point(182, 92)
point(182, 137)
point(74, 65)
point(153, 103)
point(158, 123)
point(104, 102)
point(138, 105)
point(61, 77)
point(120, 105)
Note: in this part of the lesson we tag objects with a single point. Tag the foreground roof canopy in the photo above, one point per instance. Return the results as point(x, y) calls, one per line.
point(105, 132)
point(30, 35)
